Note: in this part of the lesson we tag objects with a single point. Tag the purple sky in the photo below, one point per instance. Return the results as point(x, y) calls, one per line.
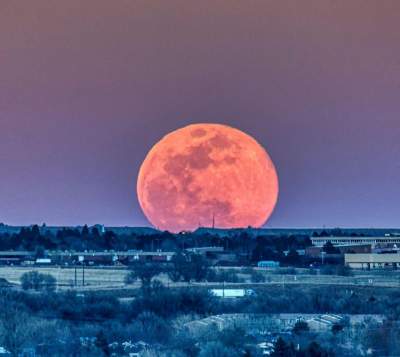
point(86, 88)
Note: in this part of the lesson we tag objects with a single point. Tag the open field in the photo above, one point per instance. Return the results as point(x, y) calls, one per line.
point(113, 278)
point(93, 277)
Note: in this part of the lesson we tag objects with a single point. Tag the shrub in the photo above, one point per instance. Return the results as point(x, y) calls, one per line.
point(336, 328)
point(257, 277)
point(216, 349)
point(300, 327)
point(153, 329)
point(38, 281)
point(228, 276)
point(343, 270)
point(286, 271)
point(144, 272)
point(328, 270)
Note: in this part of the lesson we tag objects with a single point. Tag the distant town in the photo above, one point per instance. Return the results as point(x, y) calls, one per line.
point(124, 246)
point(137, 291)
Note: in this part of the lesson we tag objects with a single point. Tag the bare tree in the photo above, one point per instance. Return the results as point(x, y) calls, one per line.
point(16, 328)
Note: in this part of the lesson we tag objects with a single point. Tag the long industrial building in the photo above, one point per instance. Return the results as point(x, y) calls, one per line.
point(321, 241)
point(372, 261)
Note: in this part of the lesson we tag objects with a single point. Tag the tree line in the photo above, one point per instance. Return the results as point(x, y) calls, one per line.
point(250, 249)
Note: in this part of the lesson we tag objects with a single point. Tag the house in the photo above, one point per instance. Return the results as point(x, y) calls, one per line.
point(265, 324)
point(324, 322)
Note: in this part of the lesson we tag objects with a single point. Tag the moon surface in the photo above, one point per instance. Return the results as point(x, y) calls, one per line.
point(204, 175)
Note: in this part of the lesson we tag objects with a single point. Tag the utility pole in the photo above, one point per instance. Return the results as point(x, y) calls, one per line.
point(322, 256)
point(75, 276)
point(83, 274)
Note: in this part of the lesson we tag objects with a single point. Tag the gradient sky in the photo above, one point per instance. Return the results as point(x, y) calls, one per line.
point(86, 88)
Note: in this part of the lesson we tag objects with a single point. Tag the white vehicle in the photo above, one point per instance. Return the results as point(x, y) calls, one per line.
point(44, 261)
point(232, 293)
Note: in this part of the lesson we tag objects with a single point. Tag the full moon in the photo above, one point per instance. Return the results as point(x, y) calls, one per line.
point(206, 175)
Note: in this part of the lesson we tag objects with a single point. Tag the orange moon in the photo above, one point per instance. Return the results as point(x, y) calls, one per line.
point(205, 174)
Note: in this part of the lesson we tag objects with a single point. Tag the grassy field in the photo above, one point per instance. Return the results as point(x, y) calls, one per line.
point(94, 278)
point(113, 278)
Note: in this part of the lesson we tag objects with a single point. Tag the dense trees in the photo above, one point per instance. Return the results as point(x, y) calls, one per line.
point(169, 302)
point(144, 272)
point(257, 277)
point(38, 281)
point(188, 267)
point(98, 323)
point(155, 312)
point(102, 343)
point(329, 248)
point(249, 249)
point(14, 327)
point(217, 349)
point(183, 267)
point(172, 302)
point(300, 327)
point(284, 349)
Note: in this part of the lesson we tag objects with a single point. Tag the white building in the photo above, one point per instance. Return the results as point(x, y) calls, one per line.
point(373, 261)
point(321, 241)
point(324, 322)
